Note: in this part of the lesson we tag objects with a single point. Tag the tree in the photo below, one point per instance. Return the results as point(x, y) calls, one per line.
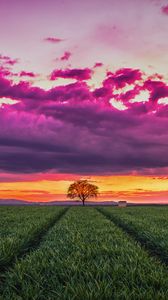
point(83, 190)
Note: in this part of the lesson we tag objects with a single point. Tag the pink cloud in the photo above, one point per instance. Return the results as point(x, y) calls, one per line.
point(53, 40)
point(12, 177)
point(78, 74)
point(122, 77)
point(7, 60)
point(114, 82)
point(66, 55)
point(165, 10)
point(4, 71)
point(39, 128)
point(158, 89)
point(12, 62)
point(98, 64)
point(27, 74)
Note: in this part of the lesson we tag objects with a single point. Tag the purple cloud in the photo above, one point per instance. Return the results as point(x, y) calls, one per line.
point(120, 78)
point(7, 60)
point(165, 9)
point(78, 74)
point(53, 40)
point(66, 55)
point(158, 89)
point(98, 64)
point(84, 133)
point(27, 74)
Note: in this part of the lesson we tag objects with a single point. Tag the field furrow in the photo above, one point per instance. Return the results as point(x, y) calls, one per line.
point(22, 229)
point(147, 225)
point(85, 256)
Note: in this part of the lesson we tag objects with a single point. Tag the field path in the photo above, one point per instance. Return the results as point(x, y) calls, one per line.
point(153, 242)
point(31, 242)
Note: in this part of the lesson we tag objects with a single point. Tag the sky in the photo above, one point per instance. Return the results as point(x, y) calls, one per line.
point(84, 95)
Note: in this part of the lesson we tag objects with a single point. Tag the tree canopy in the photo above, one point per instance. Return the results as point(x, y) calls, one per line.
point(82, 190)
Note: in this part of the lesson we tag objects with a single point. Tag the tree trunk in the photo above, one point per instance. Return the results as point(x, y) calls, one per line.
point(83, 201)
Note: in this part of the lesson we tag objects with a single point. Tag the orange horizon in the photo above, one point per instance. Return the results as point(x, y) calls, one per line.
point(53, 187)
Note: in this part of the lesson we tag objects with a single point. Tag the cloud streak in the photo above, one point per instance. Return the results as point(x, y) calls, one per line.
point(53, 40)
point(6, 60)
point(27, 74)
point(78, 74)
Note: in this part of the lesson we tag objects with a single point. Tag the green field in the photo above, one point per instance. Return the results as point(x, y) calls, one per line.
point(84, 253)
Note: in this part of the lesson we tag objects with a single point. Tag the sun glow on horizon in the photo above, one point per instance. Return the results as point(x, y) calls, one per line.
point(112, 188)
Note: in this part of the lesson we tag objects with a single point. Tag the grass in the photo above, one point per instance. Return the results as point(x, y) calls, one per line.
point(86, 256)
point(21, 228)
point(148, 225)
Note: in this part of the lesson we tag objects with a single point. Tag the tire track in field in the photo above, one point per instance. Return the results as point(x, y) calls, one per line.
point(144, 242)
point(33, 243)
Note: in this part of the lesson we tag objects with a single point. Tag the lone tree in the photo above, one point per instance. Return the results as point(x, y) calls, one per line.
point(83, 190)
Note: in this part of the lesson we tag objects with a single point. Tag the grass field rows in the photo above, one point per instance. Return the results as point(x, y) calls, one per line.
point(86, 256)
point(21, 229)
point(147, 225)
